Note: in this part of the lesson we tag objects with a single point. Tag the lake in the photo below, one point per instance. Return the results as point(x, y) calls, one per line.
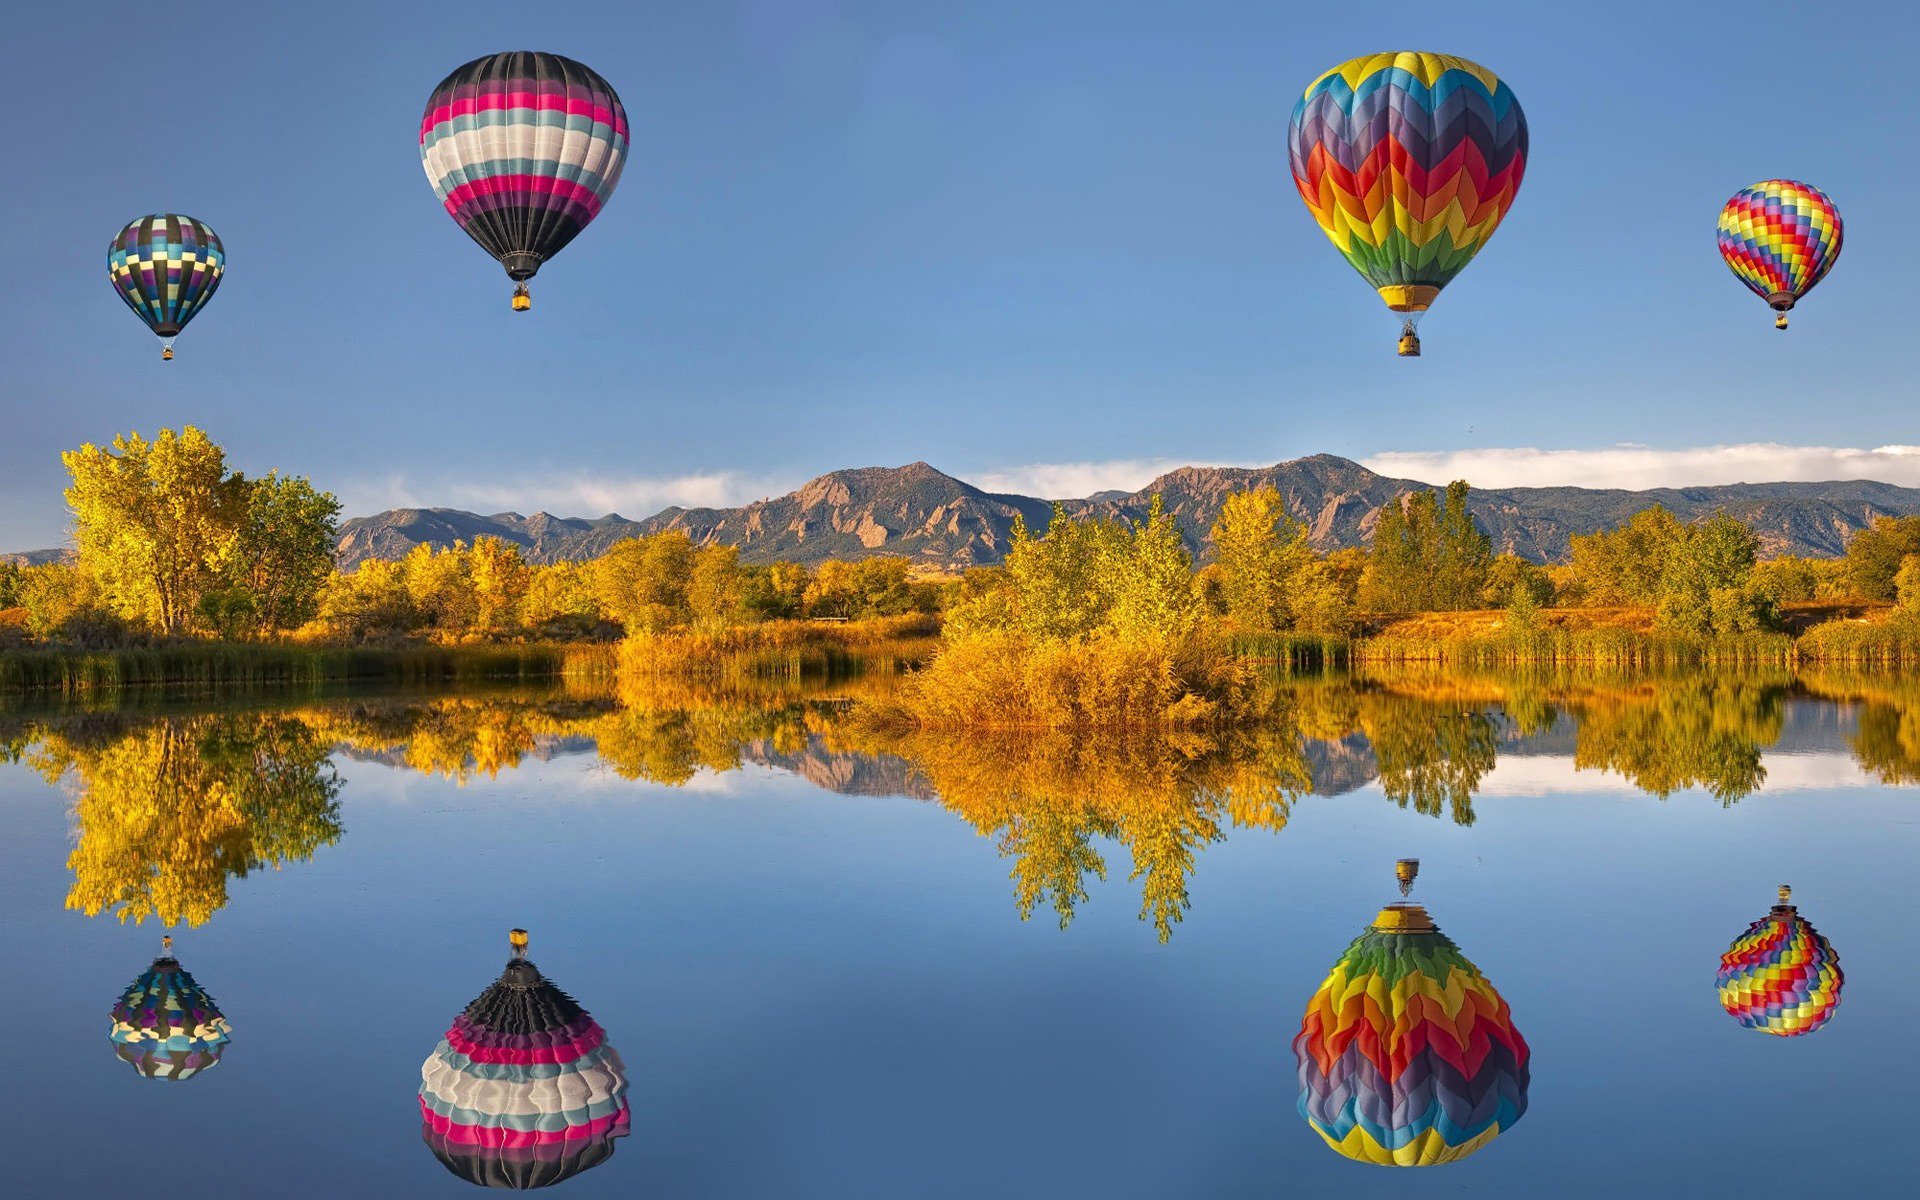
point(839, 963)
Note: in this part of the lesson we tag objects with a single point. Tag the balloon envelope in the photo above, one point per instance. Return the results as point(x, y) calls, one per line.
point(1408, 162)
point(1781, 976)
point(1780, 237)
point(523, 149)
point(523, 1091)
point(166, 1026)
point(1407, 1056)
point(166, 267)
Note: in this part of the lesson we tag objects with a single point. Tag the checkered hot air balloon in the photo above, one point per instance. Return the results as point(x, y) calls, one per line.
point(1781, 976)
point(1408, 162)
point(1780, 237)
point(165, 1026)
point(524, 1091)
point(523, 149)
point(1407, 1056)
point(166, 267)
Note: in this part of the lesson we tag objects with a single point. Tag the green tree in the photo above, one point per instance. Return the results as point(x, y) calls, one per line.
point(1427, 553)
point(10, 576)
point(1510, 575)
point(368, 603)
point(1625, 565)
point(155, 522)
point(1874, 555)
point(282, 552)
point(1153, 595)
point(1705, 587)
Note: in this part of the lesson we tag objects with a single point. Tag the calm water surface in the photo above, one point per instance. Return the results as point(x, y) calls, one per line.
point(843, 964)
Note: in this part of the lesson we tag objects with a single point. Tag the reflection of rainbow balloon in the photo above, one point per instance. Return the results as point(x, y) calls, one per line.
point(164, 1025)
point(1781, 976)
point(1408, 1057)
point(524, 1090)
point(1780, 237)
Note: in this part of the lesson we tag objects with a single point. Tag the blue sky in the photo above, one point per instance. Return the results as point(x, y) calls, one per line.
point(1045, 246)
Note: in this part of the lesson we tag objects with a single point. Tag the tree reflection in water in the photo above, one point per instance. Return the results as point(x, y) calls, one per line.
point(168, 808)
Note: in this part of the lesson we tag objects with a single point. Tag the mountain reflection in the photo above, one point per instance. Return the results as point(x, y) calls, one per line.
point(168, 806)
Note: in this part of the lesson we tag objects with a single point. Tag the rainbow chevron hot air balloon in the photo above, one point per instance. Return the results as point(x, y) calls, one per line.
point(1409, 162)
point(523, 1091)
point(1780, 237)
point(1408, 1057)
point(164, 1025)
point(1780, 976)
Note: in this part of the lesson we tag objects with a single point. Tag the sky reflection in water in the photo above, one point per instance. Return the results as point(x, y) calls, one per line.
point(820, 985)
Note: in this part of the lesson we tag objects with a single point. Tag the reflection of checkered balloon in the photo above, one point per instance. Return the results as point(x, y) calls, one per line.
point(166, 267)
point(1781, 976)
point(165, 1026)
point(1780, 237)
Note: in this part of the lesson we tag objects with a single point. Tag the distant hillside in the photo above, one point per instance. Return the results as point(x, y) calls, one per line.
point(936, 519)
point(34, 558)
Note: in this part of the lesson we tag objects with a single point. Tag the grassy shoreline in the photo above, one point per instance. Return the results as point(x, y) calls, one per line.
point(245, 665)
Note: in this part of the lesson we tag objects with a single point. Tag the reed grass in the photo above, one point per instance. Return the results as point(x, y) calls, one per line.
point(247, 665)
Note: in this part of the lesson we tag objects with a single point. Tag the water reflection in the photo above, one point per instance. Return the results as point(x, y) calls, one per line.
point(523, 1091)
point(169, 806)
point(164, 1025)
point(1781, 976)
point(1407, 1056)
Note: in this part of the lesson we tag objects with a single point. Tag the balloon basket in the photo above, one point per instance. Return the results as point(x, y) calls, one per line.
point(1409, 345)
point(522, 299)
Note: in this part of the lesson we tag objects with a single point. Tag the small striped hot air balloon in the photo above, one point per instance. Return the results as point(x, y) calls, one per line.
point(1407, 1056)
point(1781, 976)
point(1408, 161)
point(523, 1091)
point(164, 1025)
point(523, 149)
point(1780, 237)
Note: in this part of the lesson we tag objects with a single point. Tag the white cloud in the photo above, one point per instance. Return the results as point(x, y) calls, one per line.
point(1633, 466)
point(571, 495)
point(1073, 480)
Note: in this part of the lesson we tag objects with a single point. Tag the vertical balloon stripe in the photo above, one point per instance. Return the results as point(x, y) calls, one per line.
point(166, 267)
point(1408, 162)
point(523, 150)
point(1407, 1056)
point(1780, 976)
point(1780, 237)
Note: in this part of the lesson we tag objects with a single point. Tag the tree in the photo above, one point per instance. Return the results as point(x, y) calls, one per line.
point(642, 582)
point(369, 602)
point(1427, 553)
point(64, 603)
point(713, 587)
point(560, 600)
point(1906, 587)
point(282, 552)
point(1153, 594)
point(1261, 553)
point(500, 581)
point(1062, 583)
point(1705, 585)
point(1625, 565)
point(1509, 575)
point(871, 587)
point(440, 587)
point(1875, 553)
point(10, 576)
point(154, 522)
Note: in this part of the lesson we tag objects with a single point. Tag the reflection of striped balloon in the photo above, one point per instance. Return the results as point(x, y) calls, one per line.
point(166, 267)
point(1409, 162)
point(523, 150)
point(1407, 1055)
point(165, 1026)
point(1780, 237)
point(1781, 976)
point(523, 1091)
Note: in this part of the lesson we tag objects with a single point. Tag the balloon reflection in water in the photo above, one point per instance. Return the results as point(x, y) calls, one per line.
point(1407, 1055)
point(165, 1025)
point(1781, 976)
point(524, 1091)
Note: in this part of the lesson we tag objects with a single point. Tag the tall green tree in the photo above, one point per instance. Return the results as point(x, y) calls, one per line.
point(1874, 555)
point(282, 552)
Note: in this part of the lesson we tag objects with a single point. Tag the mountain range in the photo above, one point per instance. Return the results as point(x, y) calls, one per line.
point(936, 519)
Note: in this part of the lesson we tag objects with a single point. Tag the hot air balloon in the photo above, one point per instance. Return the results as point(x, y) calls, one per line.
point(164, 1025)
point(1407, 1056)
point(524, 1090)
point(166, 267)
point(1781, 976)
point(1408, 161)
point(523, 149)
point(1780, 237)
